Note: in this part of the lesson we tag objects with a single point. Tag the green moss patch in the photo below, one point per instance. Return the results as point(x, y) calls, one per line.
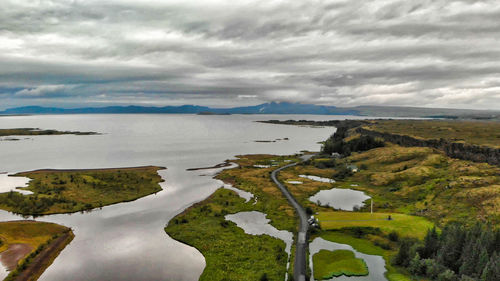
point(230, 253)
point(328, 264)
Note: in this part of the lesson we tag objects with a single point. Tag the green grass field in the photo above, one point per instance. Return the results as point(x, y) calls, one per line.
point(66, 191)
point(230, 253)
point(404, 225)
point(328, 264)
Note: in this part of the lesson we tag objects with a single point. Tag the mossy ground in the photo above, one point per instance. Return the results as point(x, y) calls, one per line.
point(230, 253)
point(61, 191)
point(328, 264)
point(366, 244)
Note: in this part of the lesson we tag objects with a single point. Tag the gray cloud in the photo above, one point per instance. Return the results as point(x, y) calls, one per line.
point(219, 52)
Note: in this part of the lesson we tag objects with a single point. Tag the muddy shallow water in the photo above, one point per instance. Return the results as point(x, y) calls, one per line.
point(126, 241)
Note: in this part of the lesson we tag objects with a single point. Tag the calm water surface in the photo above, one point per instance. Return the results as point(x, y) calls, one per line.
point(340, 198)
point(127, 241)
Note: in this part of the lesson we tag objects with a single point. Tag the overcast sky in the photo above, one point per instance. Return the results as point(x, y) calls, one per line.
point(428, 53)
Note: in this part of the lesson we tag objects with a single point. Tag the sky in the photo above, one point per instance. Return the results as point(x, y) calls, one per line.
point(222, 53)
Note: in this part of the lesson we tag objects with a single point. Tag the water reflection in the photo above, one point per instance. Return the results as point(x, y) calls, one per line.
point(339, 198)
point(127, 241)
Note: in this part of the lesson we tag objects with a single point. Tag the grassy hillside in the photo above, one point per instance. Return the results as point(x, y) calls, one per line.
point(423, 181)
point(472, 132)
point(66, 191)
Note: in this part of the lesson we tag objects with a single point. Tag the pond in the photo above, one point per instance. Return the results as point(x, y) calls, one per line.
point(8, 183)
point(376, 264)
point(340, 198)
point(256, 223)
point(316, 178)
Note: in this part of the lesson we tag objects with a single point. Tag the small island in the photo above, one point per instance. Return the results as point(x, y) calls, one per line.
point(68, 191)
point(39, 132)
point(328, 264)
point(27, 248)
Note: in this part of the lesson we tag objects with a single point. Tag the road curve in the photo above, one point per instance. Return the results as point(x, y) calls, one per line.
point(299, 269)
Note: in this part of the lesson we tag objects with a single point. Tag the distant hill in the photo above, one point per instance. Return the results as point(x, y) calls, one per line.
point(266, 108)
point(270, 108)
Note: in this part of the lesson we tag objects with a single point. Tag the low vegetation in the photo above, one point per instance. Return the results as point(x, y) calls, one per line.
point(403, 225)
point(370, 241)
point(328, 264)
point(45, 240)
point(38, 132)
point(344, 146)
point(472, 132)
point(66, 191)
point(230, 253)
point(425, 182)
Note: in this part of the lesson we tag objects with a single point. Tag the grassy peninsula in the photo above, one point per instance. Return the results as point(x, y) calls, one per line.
point(230, 253)
point(29, 247)
point(39, 132)
point(67, 191)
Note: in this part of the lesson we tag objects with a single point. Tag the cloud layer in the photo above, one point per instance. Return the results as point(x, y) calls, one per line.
point(437, 53)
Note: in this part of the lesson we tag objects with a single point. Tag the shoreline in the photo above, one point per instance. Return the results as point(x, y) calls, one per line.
point(120, 181)
point(226, 163)
point(88, 170)
point(31, 247)
point(45, 258)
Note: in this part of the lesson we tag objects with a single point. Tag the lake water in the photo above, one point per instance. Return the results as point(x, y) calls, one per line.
point(127, 241)
point(8, 183)
point(340, 198)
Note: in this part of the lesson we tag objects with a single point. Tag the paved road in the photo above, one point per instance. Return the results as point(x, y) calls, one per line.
point(299, 272)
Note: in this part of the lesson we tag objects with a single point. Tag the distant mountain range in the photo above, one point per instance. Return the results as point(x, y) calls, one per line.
point(266, 108)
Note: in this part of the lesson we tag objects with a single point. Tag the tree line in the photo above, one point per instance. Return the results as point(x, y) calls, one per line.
point(458, 253)
point(337, 144)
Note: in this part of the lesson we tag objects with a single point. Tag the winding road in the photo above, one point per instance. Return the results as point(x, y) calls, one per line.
point(299, 269)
